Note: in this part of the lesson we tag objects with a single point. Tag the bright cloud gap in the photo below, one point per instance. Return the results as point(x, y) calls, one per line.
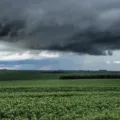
point(27, 55)
point(8, 52)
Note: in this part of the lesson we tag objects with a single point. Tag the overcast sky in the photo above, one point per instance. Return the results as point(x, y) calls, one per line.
point(60, 34)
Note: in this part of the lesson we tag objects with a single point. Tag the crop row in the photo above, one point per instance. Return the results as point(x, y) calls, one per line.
point(58, 89)
point(91, 106)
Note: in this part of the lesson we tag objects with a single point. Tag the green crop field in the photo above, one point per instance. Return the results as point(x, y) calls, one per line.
point(48, 99)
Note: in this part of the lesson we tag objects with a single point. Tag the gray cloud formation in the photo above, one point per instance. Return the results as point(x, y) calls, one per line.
point(81, 26)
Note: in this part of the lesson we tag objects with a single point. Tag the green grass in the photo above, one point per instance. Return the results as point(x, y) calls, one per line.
point(60, 100)
point(76, 83)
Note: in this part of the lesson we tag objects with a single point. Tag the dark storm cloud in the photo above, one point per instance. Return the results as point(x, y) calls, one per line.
point(81, 26)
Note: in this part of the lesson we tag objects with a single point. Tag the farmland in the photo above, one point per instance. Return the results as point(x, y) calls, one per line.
point(48, 98)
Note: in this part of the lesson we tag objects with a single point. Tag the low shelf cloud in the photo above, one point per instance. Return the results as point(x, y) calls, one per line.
point(83, 27)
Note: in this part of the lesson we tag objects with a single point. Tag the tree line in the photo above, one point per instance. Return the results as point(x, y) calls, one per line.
point(90, 77)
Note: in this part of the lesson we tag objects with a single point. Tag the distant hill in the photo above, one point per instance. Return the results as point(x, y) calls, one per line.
point(46, 75)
